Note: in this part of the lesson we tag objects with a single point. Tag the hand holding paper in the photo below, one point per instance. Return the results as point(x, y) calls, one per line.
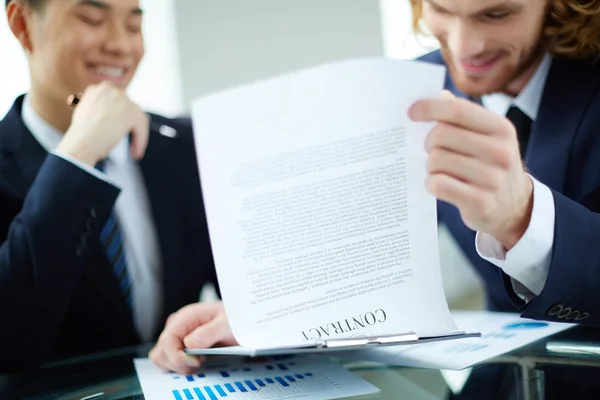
point(200, 325)
point(474, 163)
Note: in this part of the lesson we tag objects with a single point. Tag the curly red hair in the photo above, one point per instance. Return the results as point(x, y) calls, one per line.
point(572, 27)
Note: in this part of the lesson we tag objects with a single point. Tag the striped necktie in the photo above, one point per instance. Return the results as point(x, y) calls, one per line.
point(111, 240)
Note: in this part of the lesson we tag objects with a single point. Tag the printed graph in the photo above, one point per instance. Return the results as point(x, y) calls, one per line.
point(227, 372)
point(260, 388)
point(269, 380)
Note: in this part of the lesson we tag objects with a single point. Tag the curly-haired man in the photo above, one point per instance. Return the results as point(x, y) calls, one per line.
point(522, 196)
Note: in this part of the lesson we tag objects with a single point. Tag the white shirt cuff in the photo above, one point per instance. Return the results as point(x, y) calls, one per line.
point(528, 262)
point(98, 174)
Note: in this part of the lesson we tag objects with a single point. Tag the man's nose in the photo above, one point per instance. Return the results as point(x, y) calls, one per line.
point(118, 40)
point(464, 41)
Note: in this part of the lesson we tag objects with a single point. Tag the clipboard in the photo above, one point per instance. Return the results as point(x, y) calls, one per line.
point(332, 345)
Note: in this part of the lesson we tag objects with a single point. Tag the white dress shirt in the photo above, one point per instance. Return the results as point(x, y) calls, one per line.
point(133, 212)
point(528, 262)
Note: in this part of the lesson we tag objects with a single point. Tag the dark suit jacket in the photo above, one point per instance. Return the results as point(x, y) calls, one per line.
point(564, 154)
point(58, 296)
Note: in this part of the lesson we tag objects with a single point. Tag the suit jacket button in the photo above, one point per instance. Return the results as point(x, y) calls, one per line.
point(582, 316)
point(555, 310)
point(94, 212)
point(79, 250)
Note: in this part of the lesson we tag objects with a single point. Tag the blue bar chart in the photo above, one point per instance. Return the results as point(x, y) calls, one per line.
point(279, 385)
point(252, 381)
point(226, 373)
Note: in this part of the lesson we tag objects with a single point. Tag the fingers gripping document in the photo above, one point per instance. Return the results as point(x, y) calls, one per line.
point(323, 233)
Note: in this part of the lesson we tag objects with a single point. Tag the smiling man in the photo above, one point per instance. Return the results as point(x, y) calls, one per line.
point(514, 155)
point(102, 229)
point(490, 46)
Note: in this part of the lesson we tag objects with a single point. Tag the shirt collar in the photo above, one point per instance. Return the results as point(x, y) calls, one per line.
point(49, 137)
point(530, 97)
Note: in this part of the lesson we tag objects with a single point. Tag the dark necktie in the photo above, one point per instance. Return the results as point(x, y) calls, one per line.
point(522, 124)
point(111, 240)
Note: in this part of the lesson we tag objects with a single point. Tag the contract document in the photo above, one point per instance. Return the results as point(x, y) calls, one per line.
point(322, 230)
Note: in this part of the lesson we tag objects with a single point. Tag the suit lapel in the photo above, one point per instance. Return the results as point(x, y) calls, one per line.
point(23, 158)
point(569, 87)
point(23, 155)
point(161, 185)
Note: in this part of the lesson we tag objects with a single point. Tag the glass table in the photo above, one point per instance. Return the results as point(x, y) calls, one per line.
point(562, 366)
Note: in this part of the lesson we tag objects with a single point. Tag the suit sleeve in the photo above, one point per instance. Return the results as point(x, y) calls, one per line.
point(43, 251)
point(571, 291)
point(528, 261)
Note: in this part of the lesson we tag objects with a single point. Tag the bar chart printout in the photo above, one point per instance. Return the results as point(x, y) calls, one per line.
point(297, 377)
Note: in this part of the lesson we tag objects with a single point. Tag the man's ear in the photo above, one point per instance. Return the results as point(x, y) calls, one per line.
point(19, 16)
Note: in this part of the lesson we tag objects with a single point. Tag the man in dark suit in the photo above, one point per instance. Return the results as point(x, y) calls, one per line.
point(522, 90)
point(102, 227)
point(515, 164)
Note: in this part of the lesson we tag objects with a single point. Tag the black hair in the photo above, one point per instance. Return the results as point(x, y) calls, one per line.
point(30, 3)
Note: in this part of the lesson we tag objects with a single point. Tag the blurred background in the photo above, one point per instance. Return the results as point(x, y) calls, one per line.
point(196, 47)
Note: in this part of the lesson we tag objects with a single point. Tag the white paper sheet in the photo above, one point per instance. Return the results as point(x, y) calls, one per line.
point(500, 333)
point(271, 379)
point(314, 187)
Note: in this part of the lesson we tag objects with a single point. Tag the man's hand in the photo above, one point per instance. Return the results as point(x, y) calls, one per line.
point(200, 325)
point(474, 164)
point(101, 119)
